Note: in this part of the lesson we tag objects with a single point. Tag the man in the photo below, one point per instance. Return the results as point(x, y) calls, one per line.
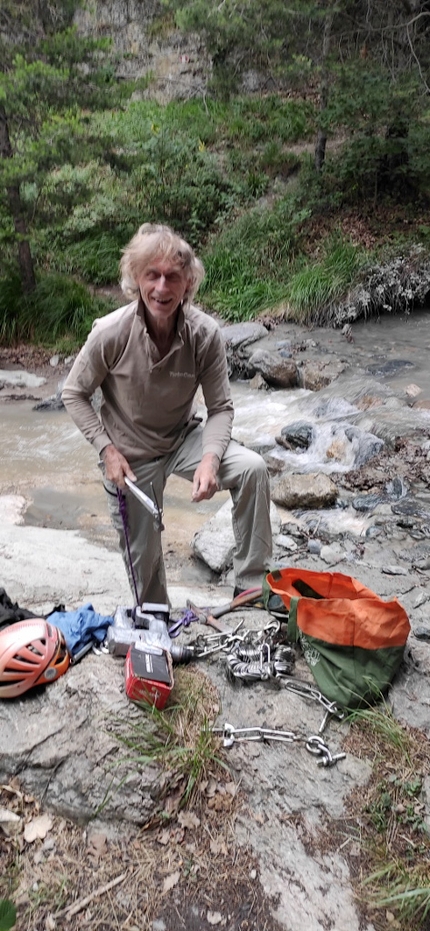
point(149, 358)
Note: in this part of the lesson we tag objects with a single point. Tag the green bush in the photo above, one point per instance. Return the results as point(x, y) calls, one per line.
point(58, 308)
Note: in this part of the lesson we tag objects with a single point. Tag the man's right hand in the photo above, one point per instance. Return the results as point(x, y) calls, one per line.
point(116, 466)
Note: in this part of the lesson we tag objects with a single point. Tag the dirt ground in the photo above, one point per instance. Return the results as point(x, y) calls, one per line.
point(184, 869)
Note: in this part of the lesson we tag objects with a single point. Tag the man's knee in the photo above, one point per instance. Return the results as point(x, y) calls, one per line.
point(256, 466)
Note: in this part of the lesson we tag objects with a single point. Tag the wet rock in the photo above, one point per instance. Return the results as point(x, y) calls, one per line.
point(296, 434)
point(214, 542)
point(313, 490)
point(258, 383)
point(412, 391)
point(397, 488)
point(315, 375)
point(372, 532)
point(243, 334)
point(384, 368)
point(237, 337)
point(366, 502)
point(276, 371)
point(274, 462)
point(410, 508)
point(54, 403)
point(422, 405)
point(369, 445)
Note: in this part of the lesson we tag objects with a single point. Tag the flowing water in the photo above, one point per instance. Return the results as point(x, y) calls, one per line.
point(45, 458)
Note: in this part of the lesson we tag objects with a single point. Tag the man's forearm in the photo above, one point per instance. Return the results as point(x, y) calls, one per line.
point(217, 433)
point(84, 416)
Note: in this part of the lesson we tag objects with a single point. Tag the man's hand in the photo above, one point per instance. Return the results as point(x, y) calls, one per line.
point(205, 482)
point(116, 466)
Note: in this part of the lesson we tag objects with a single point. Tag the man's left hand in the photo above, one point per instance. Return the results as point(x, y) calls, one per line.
point(205, 481)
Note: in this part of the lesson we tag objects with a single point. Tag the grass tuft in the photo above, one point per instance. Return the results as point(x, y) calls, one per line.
point(394, 837)
point(313, 289)
point(178, 738)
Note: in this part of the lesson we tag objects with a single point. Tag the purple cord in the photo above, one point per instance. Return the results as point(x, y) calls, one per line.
point(187, 618)
point(122, 504)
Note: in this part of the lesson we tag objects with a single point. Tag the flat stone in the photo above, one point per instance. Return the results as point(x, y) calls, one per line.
point(242, 334)
point(312, 490)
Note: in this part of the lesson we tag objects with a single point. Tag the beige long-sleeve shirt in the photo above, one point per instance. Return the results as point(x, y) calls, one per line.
point(147, 402)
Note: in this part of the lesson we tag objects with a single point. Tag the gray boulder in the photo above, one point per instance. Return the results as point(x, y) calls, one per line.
point(214, 542)
point(315, 375)
point(242, 334)
point(277, 371)
point(296, 434)
point(314, 490)
point(64, 742)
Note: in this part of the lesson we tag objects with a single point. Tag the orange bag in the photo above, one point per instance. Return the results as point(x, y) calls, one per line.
point(352, 640)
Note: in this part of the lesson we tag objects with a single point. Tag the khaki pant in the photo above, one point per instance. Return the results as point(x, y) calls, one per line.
point(242, 471)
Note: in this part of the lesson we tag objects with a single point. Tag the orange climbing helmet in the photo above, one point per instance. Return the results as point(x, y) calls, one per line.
point(32, 652)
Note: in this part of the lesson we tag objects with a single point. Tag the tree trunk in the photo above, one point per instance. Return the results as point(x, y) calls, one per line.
point(321, 142)
point(25, 259)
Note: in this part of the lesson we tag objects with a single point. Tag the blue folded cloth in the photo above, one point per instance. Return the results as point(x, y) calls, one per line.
point(80, 627)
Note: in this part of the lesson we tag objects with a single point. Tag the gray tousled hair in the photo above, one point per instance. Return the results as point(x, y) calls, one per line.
point(152, 242)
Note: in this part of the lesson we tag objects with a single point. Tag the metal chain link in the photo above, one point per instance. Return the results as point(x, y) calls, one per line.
point(313, 744)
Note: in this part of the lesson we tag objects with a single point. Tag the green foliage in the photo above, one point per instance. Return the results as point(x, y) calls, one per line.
point(249, 35)
point(393, 835)
point(7, 915)
point(255, 265)
point(314, 287)
point(58, 308)
point(387, 149)
point(48, 74)
point(95, 258)
point(247, 264)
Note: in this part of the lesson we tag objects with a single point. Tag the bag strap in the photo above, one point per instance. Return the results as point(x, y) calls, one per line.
point(292, 629)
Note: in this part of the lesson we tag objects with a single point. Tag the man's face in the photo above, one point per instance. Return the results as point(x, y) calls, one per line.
point(162, 285)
